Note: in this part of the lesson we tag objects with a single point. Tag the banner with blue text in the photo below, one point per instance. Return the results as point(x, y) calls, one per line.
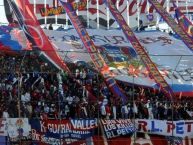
point(65, 131)
point(181, 128)
point(117, 127)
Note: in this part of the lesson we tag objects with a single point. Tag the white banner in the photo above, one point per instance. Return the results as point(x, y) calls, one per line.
point(130, 12)
point(181, 128)
point(18, 127)
point(15, 127)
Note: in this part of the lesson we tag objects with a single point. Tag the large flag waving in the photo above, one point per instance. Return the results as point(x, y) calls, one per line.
point(7, 43)
point(36, 35)
point(141, 51)
point(31, 27)
point(97, 59)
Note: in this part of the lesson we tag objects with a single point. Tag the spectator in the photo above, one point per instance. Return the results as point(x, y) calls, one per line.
point(5, 113)
point(103, 111)
point(140, 27)
point(50, 27)
point(124, 111)
point(53, 91)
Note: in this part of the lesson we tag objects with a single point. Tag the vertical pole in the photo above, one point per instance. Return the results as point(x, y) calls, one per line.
point(45, 18)
point(108, 17)
point(133, 99)
point(97, 5)
point(35, 7)
point(148, 12)
point(117, 5)
point(168, 6)
point(77, 8)
point(66, 17)
point(56, 5)
point(59, 103)
point(157, 20)
point(187, 12)
point(138, 14)
point(18, 93)
point(87, 13)
point(127, 12)
point(98, 115)
point(168, 10)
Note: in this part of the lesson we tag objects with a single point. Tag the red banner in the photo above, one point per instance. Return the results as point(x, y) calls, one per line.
point(141, 51)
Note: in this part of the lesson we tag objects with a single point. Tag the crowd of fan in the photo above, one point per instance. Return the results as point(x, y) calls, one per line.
point(32, 88)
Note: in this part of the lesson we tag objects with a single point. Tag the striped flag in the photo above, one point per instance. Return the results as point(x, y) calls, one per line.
point(183, 21)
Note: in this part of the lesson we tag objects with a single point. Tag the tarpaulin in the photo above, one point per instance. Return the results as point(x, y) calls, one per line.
point(140, 50)
point(94, 53)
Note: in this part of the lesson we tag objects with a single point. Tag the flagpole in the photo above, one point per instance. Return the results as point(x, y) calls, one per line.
point(117, 5)
point(77, 8)
point(45, 19)
point(138, 17)
point(59, 103)
point(97, 5)
point(187, 12)
point(87, 13)
point(108, 17)
point(35, 7)
point(168, 6)
point(105, 142)
point(157, 20)
point(148, 13)
point(127, 12)
point(133, 99)
point(168, 10)
point(66, 17)
point(56, 17)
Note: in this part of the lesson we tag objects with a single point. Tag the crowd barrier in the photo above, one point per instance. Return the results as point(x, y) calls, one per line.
point(93, 131)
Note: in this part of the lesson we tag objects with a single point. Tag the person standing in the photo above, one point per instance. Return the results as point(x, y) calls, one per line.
point(50, 27)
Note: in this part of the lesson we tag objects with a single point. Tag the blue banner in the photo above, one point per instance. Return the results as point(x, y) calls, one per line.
point(118, 127)
point(65, 131)
point(6, 39)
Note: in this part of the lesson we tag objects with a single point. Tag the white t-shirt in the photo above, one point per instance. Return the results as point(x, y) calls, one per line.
point(105, 101)
point(124, 109)
point(69, 99)
point(77, 73)
point(5, 114)
point(103, 110)
point(27, 96)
